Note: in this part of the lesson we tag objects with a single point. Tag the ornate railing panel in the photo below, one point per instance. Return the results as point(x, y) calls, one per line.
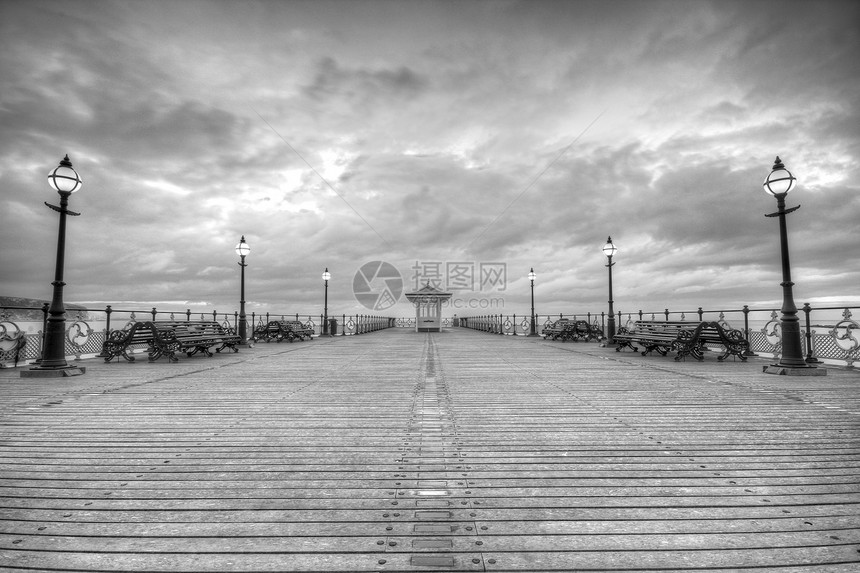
point(13, 341)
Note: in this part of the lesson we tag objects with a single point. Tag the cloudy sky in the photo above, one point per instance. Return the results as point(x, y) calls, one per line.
point(454, 140)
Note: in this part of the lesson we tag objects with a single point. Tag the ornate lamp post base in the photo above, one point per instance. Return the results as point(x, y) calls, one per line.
point(794, 371)
point(40, 372)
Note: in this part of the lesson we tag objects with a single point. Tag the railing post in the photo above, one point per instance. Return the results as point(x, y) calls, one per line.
point(810, 358)
point(667, 315)
point(108, 310)
point(153, 313)
point(187, 315)
point(746, 311)
point(701, 314)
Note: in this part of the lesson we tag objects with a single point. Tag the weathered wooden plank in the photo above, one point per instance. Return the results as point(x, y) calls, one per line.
point(763, 557)
point(81, 512)
point(145, 490)
point(499, 469)
point(178, 563)
point(227, 542)
point(270, 503)
point(821, 525)
point(525, 561)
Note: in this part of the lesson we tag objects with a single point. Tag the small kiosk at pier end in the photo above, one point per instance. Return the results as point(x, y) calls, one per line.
point(428, 308)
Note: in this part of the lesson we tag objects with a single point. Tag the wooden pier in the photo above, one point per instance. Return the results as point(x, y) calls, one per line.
point(450, 451)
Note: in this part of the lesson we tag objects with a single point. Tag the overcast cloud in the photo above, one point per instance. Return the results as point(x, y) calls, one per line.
point(331, 134)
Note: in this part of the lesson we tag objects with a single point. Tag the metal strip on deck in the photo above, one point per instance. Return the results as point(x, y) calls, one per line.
point(450, 451)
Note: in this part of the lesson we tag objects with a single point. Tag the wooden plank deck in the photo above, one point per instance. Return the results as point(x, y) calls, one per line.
point(453, 451)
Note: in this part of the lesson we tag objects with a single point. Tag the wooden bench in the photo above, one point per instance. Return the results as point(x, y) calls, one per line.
point(588, 331)
point(686, 338)
point(567, 329)
point(560, 329)
point(121, 342)
point(279, 330)
point(296, 329)
point(268, 332)
point(197, 336)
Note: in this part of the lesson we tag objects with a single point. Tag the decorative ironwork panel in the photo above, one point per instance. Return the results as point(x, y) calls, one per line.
point(13, 342)
point(525, 325)
point(842, 342)
point(80, 339)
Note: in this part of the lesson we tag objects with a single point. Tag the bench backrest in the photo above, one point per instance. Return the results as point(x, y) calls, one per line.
point(662, 327)
point(139, 333)
point(190, 329)
point(704, 331)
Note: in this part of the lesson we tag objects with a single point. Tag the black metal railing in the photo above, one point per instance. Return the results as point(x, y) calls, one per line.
point(22, 328)
point(830, 333)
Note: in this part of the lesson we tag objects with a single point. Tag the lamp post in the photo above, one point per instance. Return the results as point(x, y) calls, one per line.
point(532, 277)
point(65, 180)
point(779, 183)
point(325, 277)
point(609, 249)
point(242, 249)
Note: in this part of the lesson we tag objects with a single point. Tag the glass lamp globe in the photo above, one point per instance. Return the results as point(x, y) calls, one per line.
point(242, 249)
point(609, 249)
point(63, 178)
point(780, 180)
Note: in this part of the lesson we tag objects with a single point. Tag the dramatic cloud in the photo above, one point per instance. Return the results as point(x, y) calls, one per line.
point(431, 135)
